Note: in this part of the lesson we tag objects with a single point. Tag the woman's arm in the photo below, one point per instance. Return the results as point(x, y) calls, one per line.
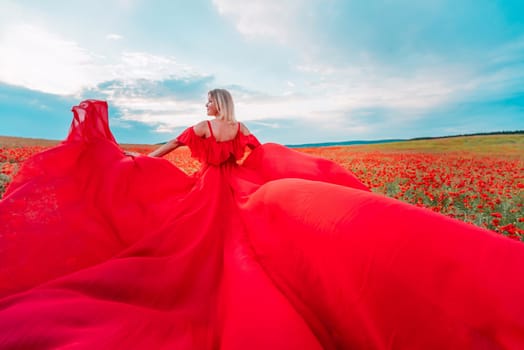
point(199, 129)
point(165, 148)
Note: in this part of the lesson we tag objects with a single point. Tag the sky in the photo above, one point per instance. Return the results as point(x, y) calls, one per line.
point(300, 71)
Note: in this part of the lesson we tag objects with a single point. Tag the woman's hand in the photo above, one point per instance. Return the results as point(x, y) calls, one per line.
point(132, 154)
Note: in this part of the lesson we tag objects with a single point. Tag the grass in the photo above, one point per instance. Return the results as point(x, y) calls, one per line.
point(506, 145)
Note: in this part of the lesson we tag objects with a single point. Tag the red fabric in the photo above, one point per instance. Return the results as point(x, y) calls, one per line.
point(285, 251)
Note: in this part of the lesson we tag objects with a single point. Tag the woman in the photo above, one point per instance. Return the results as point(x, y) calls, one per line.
point(281, 251)
point(219, 105)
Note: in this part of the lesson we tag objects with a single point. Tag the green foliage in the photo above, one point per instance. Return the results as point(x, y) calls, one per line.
point(4, 181)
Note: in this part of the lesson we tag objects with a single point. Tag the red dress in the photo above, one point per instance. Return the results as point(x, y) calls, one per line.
point(284, 251)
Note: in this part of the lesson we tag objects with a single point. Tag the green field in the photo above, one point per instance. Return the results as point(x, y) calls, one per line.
point(505, 145)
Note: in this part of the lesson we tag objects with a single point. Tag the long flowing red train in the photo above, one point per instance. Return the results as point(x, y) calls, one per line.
point(284, 251)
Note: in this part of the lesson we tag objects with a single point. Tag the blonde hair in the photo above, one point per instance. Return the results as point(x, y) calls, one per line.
point(224, 101)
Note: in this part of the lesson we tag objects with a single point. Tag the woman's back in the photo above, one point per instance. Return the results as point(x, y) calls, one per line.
point(223, 131)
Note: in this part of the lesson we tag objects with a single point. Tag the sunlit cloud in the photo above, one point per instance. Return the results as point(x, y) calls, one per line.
point(143, 65)
point(170, 113)
point(273, 19)
point(114, 36)
point(40, 60)
point(273, 125)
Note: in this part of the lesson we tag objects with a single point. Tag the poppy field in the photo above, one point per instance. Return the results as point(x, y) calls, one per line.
point(476, 179)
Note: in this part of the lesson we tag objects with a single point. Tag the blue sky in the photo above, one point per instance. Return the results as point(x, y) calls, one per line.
point(300, 71)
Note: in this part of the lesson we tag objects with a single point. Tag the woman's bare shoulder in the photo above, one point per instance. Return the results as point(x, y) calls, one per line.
point(243, 129)
point(201, 128)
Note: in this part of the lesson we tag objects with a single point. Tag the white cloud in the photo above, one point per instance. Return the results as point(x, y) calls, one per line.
point(273, 125)
point(113, 36)
point(169, 113)
point(37, 59)
point(331, 110)
point(272, 19)
point(143, 65)
point(375, 86)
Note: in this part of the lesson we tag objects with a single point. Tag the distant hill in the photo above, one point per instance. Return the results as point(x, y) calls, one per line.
point(476, 134)
point(370, 142)
point(13, 141)
point(343, 143)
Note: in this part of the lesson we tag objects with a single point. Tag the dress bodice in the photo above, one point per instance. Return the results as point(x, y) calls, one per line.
point(210, 151)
